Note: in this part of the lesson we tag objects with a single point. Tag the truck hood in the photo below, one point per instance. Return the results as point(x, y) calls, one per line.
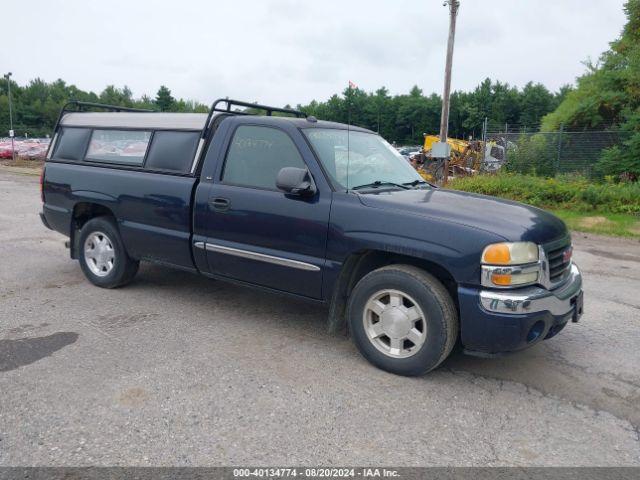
point(511, 220)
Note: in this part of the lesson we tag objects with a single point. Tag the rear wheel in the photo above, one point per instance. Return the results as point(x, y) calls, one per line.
point(403, 320)
point(103, 258)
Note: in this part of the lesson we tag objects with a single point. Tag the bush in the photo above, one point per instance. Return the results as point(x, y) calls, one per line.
point(532, 154)
point(562, 192)
point(619, 161)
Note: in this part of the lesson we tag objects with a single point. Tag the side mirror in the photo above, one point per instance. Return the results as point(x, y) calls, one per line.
point(295, 181)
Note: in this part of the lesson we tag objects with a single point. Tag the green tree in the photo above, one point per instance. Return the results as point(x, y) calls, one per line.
point(506, 104)
point(457, 114)
point(164, 100)
point(535, 102)
point(478, 106)
point(145, 102)
point(559, 97)
point(112, 95)
point(380, 110)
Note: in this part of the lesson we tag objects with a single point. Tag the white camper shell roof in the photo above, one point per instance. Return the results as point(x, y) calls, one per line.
point(135, 120)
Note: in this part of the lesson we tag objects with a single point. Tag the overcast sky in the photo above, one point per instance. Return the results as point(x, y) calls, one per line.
point(287, 51)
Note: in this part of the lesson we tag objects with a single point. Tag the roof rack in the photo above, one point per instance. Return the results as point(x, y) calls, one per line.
point(215, 107)
point(257, 106)
point(115, 108)
point(80, 106)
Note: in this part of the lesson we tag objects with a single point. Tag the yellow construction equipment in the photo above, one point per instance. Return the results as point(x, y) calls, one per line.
point(467, 158)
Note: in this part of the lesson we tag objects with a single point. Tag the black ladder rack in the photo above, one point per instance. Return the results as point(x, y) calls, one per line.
point(82, 106)
point(215, 107)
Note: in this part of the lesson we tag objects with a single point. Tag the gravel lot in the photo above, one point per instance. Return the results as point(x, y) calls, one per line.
point(178, 370)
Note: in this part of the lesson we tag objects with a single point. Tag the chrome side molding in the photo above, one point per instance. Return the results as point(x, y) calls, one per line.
point(261, 257)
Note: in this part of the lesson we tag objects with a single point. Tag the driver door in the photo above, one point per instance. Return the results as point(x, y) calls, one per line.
point(257, 234)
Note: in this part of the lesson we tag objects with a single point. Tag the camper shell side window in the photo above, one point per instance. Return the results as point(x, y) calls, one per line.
point(127, 147)
point(172, 151)
point(71, 143)
point(167, 151)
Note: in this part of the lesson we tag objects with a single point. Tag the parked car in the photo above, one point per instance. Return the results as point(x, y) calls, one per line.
point(408, 152)
point(32, 149)
point(6, 150)
point(317, 210)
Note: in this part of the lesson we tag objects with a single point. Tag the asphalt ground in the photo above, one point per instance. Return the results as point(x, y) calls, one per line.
point(175, 369)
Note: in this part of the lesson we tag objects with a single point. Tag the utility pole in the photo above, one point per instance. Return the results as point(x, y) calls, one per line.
point(444, 117)
point(484, 140)
point(11, 132)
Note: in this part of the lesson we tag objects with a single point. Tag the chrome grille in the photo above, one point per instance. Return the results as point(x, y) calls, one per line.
point(559, 265)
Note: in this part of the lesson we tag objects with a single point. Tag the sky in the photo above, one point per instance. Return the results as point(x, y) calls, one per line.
point(288, 51)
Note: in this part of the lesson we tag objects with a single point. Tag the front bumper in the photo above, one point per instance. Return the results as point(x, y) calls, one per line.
point(534, 299)
point(497, 321)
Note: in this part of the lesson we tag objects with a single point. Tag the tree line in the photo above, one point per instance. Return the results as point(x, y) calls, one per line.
point(405, 118)
point(36, 106)
point(399, 118)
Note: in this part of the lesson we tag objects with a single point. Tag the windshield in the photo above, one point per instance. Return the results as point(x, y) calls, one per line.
point(355, 159)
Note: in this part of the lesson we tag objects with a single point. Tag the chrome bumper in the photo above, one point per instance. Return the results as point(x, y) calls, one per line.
point(534, 299)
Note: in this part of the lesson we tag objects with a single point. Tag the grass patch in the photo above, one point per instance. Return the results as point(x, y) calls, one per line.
point(560, 193)
point(616, 224)
point(22, 163)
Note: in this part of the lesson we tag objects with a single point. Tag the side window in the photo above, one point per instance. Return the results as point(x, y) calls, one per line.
point(172, 151)
point(257, 154)
point(71, 143)
point(118, 146)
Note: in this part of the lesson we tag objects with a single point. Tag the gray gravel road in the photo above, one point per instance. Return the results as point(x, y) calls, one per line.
point(178, 370)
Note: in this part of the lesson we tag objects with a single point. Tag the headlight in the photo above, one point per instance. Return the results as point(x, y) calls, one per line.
point(510, 264)
point(517, 253)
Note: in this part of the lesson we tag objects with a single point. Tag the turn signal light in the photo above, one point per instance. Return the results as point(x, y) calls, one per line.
point(504, 280)
point(497, 254)
point(509, 276)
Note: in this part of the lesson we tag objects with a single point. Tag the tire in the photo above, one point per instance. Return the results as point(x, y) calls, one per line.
point(103, 258)
point(394, 335)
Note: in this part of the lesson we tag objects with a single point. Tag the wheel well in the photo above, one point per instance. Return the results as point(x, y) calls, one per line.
point(82, 213)
point(361, 263)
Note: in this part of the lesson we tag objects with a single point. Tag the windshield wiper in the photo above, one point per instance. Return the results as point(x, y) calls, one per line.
point(415, 183)
point(380, 183)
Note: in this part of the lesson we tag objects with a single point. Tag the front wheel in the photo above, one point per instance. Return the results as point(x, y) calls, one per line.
point(403, 320)
point(103, 258)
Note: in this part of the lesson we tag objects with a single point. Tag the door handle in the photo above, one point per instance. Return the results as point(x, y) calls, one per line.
point(220, 204)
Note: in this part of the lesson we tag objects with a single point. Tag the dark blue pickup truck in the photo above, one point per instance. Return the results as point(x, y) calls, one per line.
point(319, 210)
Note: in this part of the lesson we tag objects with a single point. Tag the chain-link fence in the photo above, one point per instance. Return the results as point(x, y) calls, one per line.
point(549, 153)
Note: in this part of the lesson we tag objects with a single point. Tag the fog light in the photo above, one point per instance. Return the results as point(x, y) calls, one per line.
point(535, 331)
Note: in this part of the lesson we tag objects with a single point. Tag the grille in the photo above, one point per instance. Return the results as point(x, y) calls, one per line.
point(558, 267)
